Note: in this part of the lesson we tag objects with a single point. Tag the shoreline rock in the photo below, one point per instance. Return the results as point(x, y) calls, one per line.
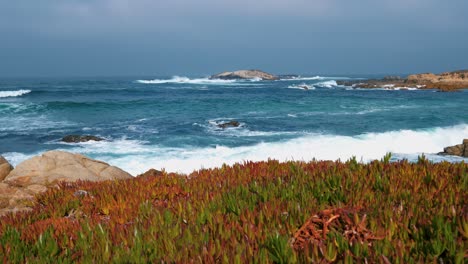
point(245, 75)
point(5, 168)
point(80, 138)
point(460, 150)
point(38, 173)
point(446, 82)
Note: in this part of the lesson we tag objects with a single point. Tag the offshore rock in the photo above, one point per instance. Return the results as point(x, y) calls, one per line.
point(446, 82)
point(5, 168)
point(245, 74)
point(80, 138)
point(229, 124)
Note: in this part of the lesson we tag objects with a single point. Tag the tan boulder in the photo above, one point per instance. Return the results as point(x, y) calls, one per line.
point(13, 199)
point(55, 166)
point(5, 168)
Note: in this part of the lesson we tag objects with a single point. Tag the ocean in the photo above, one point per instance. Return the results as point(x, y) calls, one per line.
point(172, 123)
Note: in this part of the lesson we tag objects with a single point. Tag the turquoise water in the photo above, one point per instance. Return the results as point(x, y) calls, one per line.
point(171, 122)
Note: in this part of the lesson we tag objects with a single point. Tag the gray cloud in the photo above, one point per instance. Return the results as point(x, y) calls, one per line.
point(178, 36)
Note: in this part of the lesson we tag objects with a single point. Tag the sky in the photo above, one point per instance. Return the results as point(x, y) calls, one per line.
point(52, 38)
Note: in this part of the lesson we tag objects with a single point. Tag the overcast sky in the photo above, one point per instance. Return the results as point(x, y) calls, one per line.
point(200, 37)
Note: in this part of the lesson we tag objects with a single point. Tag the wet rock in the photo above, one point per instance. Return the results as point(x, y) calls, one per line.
point(80, 138)
point(229, 124)
point(457, 150)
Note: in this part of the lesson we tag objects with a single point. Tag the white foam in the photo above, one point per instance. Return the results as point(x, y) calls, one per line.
point(4, 94)
point(299, 78)
point(179, 79)
point(138, 156)
point(302, 86)
point(327, 84)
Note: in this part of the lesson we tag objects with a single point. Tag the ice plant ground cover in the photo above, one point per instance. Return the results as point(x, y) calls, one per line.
point(318, 211)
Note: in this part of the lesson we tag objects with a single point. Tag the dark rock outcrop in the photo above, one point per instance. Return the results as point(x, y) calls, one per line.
point(244, 75)
point(5, 168)
point(80, 138)
point(229, 124)
point(457, 150)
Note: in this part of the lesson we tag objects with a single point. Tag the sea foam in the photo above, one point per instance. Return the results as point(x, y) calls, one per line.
point(138, 156)
point(326, 84)
point(179, 79)
point(4, 94)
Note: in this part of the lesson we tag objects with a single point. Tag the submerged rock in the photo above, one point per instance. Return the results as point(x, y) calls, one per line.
point(304, 86)
point(457, 150)
point(5, 168)
point(245, 74)
point(229, 124)
point(80, 138)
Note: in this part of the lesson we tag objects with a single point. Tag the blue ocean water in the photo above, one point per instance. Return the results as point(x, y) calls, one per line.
point(171, 122)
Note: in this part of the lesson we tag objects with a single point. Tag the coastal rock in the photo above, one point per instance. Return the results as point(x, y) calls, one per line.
point(229, 124)
point(457, 150)
point(392, 78)
point(80, 138)
point(5, 168)
point(35, 175)
point(245, 74)
point(12, 199)
point(446, 82)
point(465, 153)
point(55, 166)
point(151, 173)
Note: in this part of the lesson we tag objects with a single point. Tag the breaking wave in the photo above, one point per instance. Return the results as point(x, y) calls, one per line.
point(4, 94)
point(186, 80)
point(138, 156)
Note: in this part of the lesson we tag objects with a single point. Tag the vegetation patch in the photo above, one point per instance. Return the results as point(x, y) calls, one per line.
point(261, 212)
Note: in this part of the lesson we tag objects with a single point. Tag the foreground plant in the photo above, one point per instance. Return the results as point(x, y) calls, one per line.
point(268, 211)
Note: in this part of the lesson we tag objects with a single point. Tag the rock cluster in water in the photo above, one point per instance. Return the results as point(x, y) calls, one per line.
point(229, 124)
point(80, 138)
point(447, 81)
point(35, 175)
point(457, 150)
point(245, 74)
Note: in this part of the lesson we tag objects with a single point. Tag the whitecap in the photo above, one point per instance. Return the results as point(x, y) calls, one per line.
point(326, 84)
point(204, 81)
point(404, 143)
point(299, 78)
point(302, 86)
point(4, 94)
point(138, 156)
